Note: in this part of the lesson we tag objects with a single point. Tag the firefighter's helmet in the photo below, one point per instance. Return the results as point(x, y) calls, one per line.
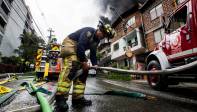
point(108, 31)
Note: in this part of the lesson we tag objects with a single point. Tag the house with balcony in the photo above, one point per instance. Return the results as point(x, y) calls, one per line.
point(129, 35)
point(104, 51)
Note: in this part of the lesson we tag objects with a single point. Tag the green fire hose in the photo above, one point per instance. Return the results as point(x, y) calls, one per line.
point(32, 89)
point(43, 101)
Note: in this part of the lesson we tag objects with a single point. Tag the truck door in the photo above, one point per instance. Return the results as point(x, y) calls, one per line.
point(178, 37)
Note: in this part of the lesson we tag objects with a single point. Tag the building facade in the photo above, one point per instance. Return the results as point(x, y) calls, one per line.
point(19, 20)
point(104, 51)
point(5, 8)
point(129, 37)
point(154, 12)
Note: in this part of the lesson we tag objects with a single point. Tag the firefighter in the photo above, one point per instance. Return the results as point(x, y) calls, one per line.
point(74, 59)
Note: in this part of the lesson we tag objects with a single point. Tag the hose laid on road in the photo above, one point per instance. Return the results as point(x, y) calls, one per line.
point(122, 93)
point(157, 72)
point(42, 100)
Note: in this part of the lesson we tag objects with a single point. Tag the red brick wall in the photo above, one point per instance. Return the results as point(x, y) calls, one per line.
point(119, 29)
point(149, 25)
point(168, 7)
point(150, 41)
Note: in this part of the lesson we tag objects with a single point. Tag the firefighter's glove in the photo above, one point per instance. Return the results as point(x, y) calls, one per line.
point(95, 66)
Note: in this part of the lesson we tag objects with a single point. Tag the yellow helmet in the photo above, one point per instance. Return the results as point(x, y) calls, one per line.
point(108, 31)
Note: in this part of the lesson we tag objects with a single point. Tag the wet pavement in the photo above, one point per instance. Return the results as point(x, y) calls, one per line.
point(103, 103)
point(184, 92)
point(106, 103)
point(22, 99)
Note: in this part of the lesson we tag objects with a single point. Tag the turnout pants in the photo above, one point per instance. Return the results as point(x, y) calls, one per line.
point(70, 67)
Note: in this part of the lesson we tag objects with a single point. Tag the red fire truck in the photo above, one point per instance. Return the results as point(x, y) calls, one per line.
point(178, 47)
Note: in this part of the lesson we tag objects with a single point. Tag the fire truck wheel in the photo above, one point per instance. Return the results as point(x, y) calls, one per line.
point(157, 82)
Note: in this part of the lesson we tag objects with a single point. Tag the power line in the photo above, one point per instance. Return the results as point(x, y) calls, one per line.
point(42, 13)
point(20, 17)
point(26, 18)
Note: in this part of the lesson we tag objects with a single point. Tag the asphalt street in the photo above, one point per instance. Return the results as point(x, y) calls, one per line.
point(102, 103)
point(106, 103)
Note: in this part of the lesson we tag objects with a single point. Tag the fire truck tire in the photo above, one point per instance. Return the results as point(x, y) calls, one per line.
point(157, 82)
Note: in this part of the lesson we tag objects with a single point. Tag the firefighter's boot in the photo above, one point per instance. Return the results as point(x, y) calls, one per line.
point(81, 102)
point(61, 105)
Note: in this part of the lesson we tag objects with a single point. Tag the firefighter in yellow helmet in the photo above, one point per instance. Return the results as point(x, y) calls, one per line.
point(74, 59)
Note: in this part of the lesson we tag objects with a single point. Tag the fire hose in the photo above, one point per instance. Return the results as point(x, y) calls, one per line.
point(157, 72)
point(31, 88)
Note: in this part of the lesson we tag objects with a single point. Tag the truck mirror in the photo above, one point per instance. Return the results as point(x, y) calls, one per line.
point(189, 21)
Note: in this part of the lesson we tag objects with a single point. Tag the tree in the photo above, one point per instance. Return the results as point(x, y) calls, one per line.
point(29, 45)
point(27, 50)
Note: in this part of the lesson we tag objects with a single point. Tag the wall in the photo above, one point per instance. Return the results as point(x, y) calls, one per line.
point(14, 28)
point(152, 25)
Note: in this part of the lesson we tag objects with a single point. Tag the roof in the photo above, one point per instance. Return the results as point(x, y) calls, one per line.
point(134, 8)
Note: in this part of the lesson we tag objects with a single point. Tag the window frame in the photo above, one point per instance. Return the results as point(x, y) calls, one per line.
point(116, 46)
point(131, 20)
point(5, 7)
point(155, 11)
point(4, 22)
point(130, 37)
point(161, 33)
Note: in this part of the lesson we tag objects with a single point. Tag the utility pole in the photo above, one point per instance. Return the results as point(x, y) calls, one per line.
point(50, 34)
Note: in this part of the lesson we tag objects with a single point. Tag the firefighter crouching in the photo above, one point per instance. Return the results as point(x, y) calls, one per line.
point(74, 59)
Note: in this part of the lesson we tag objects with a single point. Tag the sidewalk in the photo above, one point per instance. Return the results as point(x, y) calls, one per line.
point(143, 87)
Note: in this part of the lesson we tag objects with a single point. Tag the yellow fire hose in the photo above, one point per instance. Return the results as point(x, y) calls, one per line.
point(12, 78)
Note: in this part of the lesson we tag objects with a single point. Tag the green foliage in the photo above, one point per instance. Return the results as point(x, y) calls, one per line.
point(29, 45)
point(33, 73)
point(119, 76)
point(114, 64)
point(98, 55)
point(11, 60)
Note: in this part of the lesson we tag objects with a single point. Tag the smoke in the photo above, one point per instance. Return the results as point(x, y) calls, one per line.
point(120, 7)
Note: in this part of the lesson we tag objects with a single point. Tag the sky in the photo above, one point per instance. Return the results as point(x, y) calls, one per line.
point(64, 16)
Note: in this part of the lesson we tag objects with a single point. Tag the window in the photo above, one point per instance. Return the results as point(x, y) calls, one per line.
point(108, 50)
point(5, 8)
point(131, 22)
point(153, 14)
point(11, 1)
point(26, 25)
point(132, 39)
point(158, 34)
point(159, 10)
point(178, 20)
point(156, 12)
point(2, 22)
point(116, 46)
point(133, 42)
point(179, 1)
point(1, 37)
